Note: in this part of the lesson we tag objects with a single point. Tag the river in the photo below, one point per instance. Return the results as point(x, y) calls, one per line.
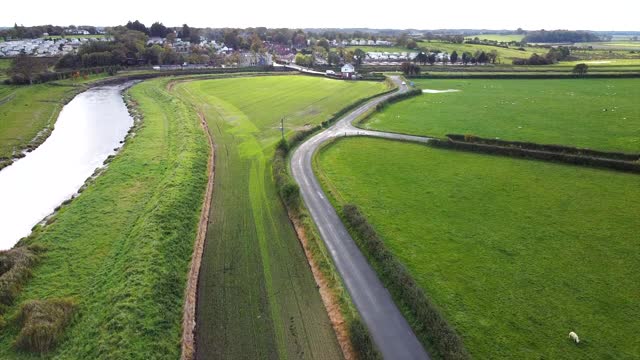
point(88, 129)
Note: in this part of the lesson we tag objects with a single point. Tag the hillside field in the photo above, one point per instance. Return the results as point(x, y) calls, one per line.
point(516, 253)
point(257, 298)
point(497, 37)
point(602, 114)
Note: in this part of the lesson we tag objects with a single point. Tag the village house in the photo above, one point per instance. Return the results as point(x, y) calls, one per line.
point(348, 71)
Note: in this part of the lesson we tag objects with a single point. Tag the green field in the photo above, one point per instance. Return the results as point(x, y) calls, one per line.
point(504, 55)
point(257, 298)
point(516, 253)
point(568, 112)
point(4, 66)
point(122, 248)
point(497, 37)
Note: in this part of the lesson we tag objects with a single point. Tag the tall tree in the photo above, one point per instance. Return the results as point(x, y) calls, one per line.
point(158, 30)
point(454, 57)
point(580, 69)
point(24, 68)
point(185, 33)
point(138, 26)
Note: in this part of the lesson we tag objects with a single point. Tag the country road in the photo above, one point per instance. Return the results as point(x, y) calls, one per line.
point(389, 329)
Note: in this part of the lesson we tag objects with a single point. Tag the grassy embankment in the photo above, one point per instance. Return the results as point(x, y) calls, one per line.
point(257, 297)
point(120, 251)
point(516, 253)
point(567, 112)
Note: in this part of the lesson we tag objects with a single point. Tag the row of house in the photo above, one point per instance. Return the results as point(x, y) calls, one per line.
point(43, 47)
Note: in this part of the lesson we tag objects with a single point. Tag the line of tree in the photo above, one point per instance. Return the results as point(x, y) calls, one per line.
point(560, 36)
point(554, 55)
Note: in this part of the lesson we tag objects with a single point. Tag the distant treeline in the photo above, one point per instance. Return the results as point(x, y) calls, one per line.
point(560, 36)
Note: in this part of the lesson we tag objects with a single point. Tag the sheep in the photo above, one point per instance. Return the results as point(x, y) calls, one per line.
point(574, 337)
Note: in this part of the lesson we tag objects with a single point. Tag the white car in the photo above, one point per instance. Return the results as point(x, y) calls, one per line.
point(404, 83)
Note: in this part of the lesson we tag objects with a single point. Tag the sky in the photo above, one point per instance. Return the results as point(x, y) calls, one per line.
point(620, 15)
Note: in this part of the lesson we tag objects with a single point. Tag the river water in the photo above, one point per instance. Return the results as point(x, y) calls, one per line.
point(88, 129)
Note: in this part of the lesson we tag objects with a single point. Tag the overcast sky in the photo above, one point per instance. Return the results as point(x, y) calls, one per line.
point(418, 14)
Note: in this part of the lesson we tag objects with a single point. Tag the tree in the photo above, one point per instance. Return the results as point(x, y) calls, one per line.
point(256, 45)
point(158, 30)
point(24, 68)
point(580, 69)
point(137, 26)
point(333, 58)
point(324, 44)
point(454, 57)
point(171, 37)
point(466, 57)
point(445, 59)
point(492, 56)
point(411, 44)
point(409, 68)
point(431, 59)
point(482, 57)
point(185, 33)
point(422, 58)
point(358, 56)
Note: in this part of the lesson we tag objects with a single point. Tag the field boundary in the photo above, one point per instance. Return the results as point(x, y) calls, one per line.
point(191, 291)
point(515, 152)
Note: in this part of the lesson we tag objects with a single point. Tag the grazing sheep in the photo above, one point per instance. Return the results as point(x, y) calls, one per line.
point(574, 337)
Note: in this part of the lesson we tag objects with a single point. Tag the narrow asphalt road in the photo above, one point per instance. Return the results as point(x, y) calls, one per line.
point(389, 329)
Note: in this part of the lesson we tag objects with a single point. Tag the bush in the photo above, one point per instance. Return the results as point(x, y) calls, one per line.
point(397, 279)
point(361, 341)
point(15, 269)
point(43, 323)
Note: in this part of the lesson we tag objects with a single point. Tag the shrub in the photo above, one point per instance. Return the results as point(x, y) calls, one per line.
point(43, 323)
point(15, 269)
point(361, 341)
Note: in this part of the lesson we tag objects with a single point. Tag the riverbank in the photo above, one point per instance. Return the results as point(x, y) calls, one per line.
point(122, 247)
point(89, 130)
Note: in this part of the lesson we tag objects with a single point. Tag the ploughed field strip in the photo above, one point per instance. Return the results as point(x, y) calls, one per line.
point(257, 298)
point(120, 251)
point(516, 253)
point(600, 114)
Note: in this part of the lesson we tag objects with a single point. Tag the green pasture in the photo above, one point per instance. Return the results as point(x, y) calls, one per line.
point(121, 249)
point(497, 37)
point(257, 298)
point(516, 253)
point(602, 114)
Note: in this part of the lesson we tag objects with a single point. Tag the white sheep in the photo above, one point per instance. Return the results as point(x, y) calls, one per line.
point(574, 337)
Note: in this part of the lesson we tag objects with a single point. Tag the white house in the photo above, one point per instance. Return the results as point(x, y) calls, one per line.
point(348, 71)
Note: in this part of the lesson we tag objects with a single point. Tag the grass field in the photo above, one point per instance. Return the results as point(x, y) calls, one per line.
point(121, 249)
point(257, 297)
point(497, 37)
point(27, 110)
point(505, 55)
point(516, 253)
point(568, 112)
point(4, 66)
